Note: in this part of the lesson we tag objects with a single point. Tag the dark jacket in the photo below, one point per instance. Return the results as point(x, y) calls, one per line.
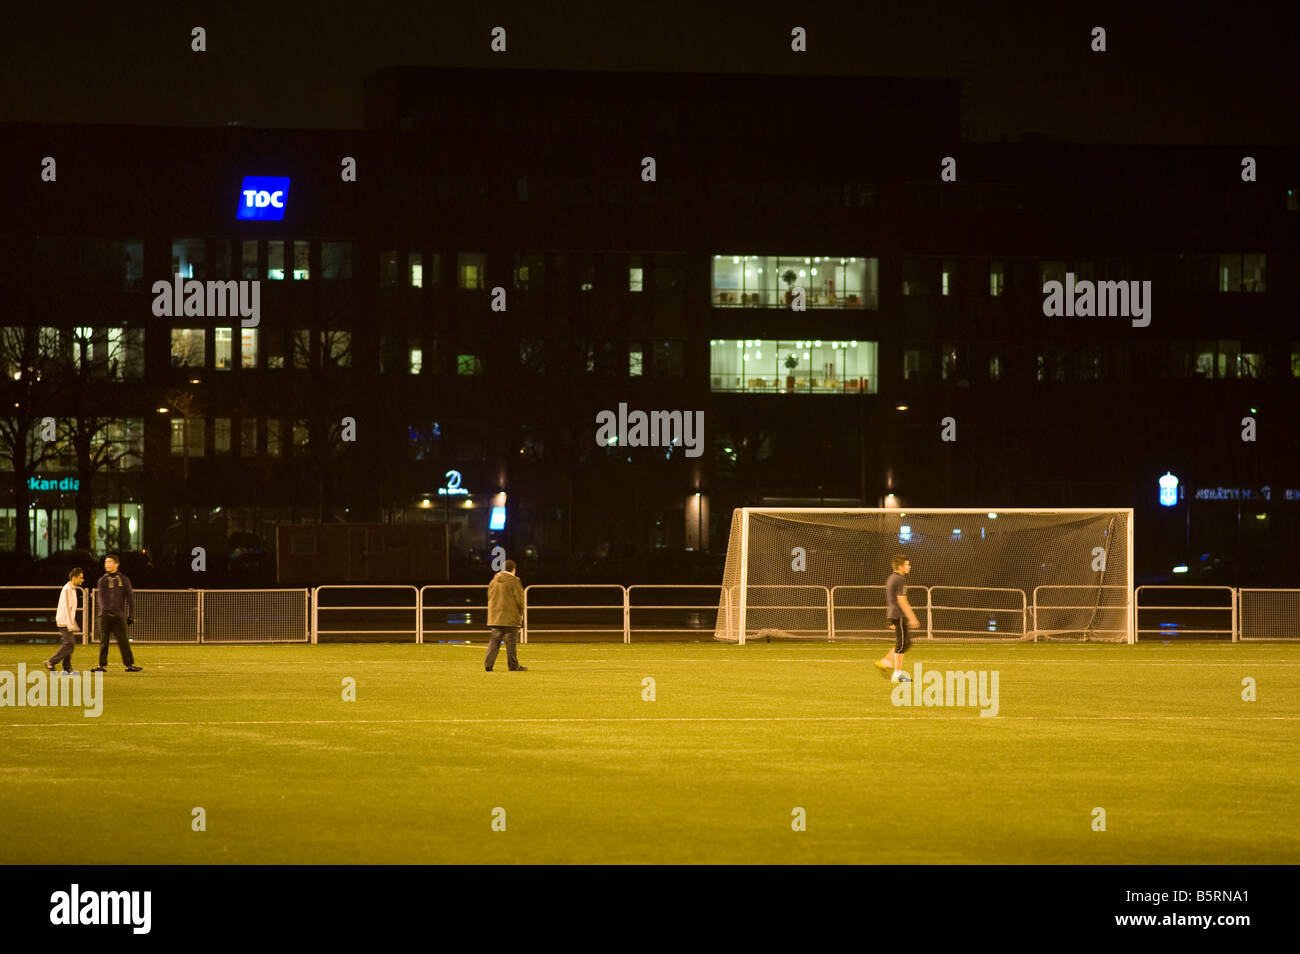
point(113, 596)
point(505, 600)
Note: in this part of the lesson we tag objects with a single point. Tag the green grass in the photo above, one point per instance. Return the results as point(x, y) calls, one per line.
point(1157, 735)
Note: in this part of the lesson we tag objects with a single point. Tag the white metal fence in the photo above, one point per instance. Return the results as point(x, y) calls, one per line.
point(1177, 611)
point(591, 613)
point(666, 614)
point(1268, 614)
point(1069, 609)
point(366, 611)
point(866, 620)
point(361, 612)
point(978, 612)
point(457, 609)
point(161, 616)
point(255, 616)
point(30, 610)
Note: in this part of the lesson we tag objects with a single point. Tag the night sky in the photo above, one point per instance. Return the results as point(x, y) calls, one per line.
point(1174, 73)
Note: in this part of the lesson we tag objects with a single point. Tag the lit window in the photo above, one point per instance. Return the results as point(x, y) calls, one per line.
point(301, 261)
point(275, 261)
point(248, 348)
point(223, 349)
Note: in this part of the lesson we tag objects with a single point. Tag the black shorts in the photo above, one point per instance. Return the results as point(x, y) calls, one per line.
point(903, 639)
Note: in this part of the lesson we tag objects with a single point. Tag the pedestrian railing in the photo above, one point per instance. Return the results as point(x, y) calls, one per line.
point(978, 612)
point(161, 616)
point(366, 612)
point(545, 617)
point(858, 611)
point(458, 612)
point(1268, 614)
point(1083, 610)
point(661, 609)
point(767, 606)
point(255, 616)
point(453, 609)
point(30, 610)
point(1171, 610)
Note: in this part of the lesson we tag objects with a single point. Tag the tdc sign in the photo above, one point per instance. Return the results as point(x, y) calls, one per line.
point(262, 198)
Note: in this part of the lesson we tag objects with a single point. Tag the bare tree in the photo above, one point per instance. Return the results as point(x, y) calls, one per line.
point(24, 360)
point(82, 366)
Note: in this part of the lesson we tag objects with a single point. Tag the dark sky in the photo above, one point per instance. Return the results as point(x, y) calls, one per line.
point(1175, 73)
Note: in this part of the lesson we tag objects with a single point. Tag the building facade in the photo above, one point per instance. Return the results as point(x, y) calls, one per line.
point(450, 300)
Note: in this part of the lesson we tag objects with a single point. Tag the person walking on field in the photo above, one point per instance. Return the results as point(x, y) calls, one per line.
point(898, 612)
point(65, 617)
point(505, 617)
point(116, 605)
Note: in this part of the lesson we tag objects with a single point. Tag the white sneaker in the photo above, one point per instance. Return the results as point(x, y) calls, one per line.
point(900, 676)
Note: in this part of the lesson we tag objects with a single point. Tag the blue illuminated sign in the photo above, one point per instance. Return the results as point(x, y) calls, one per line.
point(498, 519)
point(42, 483)
point(262, 198)
point(453, 488)
point(1168, 490)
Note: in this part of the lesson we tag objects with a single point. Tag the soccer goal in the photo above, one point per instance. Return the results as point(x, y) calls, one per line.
point(1016, 574)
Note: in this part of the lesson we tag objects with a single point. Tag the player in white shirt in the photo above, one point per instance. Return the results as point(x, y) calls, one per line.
point(66, 619)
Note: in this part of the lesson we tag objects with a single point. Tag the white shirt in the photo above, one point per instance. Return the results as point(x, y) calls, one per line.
point(67, 613)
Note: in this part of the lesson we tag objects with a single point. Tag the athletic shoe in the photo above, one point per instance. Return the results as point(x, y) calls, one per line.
point(884, 667)
point(901, 676)
point(134, 668)
point(100, 669)
point(486, 669)
point(47, 665)
point(520, 669)
point(71, 672)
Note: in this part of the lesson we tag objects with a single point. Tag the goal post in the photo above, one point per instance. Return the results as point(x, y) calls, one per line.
point(989, 574)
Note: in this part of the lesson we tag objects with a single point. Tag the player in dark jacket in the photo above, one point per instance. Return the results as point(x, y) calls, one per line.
point(116, 610)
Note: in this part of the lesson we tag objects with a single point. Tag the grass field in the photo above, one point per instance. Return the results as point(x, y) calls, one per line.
point(587, 771)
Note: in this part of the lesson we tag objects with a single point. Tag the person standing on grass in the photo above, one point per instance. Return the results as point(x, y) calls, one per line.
point(505, 616)
point(65, 617)
point(116, 611)
point(898, 611)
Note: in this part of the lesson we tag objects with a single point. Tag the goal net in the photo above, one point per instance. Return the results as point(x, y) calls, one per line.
point(975, 574)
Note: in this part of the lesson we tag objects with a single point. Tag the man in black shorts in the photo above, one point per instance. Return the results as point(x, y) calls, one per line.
point(899, 614)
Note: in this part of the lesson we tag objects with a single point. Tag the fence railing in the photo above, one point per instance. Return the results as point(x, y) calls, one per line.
point(978, 612)
point(30, 610)
point(570, 623)
point(255, 616)
point(672, 612)
point(1089, 608)
point(161, 616)
point(1268, 614)
point(867, 620)
point(463, 614)
point(1175, 619)
point(362, 611)
point(379, 617)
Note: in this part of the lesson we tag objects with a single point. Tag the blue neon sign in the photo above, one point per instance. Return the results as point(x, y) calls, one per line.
point(262, 198)
point(1168, 490)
